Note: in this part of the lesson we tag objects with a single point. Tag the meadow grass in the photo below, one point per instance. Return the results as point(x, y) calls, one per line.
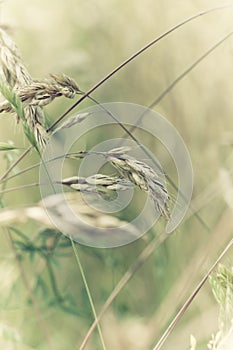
point(134, 292)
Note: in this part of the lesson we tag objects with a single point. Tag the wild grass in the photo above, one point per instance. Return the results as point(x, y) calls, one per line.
point(131, 293)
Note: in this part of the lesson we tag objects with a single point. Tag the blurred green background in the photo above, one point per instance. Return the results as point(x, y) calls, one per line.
point(86, 40)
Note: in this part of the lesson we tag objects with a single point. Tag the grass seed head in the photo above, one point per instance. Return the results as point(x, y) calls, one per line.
point(143, 176)
point(34, 94)
point(97, 183)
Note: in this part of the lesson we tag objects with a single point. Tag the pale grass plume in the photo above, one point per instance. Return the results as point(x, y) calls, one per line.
point(98, 183)
point(141, 175)
point(138, 173)
point(11, 67)
point(222, 287)
point(86, 220)
point(34, 94)
point(221, 282)
point(15, 75)
point(221, 340)
point(76, 119)
point(44, 91)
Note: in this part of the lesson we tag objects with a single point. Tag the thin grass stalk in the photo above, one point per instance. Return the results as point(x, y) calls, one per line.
point(181, 76)
point(77, 257)
point(4, 177)
point(18, 188)
point(119, 287)
point(131, 58)
point(124, 280)
point(162, 95)
point(154, 103)
point(136, 54)
point(78, 260)
point(135, 266)
point(128, 132)
point(23, 155)
point(87, 93)
point(214, 190)
point(48, 262)
point(188, 302)
point(143, 257)
point(161, 319)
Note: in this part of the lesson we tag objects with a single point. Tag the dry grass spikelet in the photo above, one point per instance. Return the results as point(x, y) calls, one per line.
point(98, 183)
point(11, 66)
point(142, 175)
point(44, 91)
point(34, 94)
point(15, 74)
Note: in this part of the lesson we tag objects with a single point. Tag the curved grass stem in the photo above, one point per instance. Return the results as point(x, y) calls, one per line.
point(153, 104)
point(136, 54)
point(143, 257)
point(75, 249)
point(188, 302)
point(3, 177)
